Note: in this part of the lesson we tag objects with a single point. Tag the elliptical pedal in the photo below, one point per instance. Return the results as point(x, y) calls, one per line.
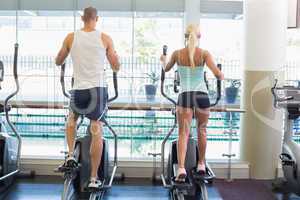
point(286, 159)
point(66, 169)
point(187, 184)
point(95, 190)
point(207, 177)
point(181, 185)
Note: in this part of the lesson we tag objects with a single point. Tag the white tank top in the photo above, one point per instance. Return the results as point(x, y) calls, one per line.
point(88, 55)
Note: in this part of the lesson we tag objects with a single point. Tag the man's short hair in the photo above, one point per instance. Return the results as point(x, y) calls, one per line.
point(89, 13)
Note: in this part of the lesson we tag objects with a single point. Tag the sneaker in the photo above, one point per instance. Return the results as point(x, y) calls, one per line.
point(94, 184)
point(181, 175)
point(71, 161)
point(201, 169)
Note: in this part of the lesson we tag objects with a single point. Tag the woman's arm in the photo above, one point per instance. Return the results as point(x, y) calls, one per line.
point(212, 66)
point(167, 67)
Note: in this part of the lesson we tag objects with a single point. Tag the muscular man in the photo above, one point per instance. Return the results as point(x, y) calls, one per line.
point(88, 48)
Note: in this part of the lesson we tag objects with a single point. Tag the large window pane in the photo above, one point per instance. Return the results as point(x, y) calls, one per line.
point(151, 32)
point(41, 34)
point(293, 49)
point(7, 41)
point(138, 39)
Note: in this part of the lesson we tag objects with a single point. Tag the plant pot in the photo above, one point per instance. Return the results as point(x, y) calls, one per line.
point(150, 91)
point(150, 114)
point(231, 94)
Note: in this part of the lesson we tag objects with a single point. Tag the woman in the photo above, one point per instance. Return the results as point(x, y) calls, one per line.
point(193, 95)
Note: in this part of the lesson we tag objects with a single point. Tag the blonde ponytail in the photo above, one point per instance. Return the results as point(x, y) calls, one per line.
point(192, 42)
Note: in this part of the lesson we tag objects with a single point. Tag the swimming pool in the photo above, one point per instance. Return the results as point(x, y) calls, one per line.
point(139, 133)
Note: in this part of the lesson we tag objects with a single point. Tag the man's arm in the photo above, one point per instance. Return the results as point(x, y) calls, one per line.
point(111, 54)
point(64, 51)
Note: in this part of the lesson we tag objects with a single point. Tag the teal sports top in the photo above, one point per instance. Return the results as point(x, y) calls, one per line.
point(192, 79)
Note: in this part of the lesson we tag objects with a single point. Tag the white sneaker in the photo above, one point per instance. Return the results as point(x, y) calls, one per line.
point(95, 184)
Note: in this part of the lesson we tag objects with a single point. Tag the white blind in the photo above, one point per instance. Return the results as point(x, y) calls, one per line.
point(106, 5)
point(8, 4)
point(221, 7)
point(159, 5)
point(101, 5)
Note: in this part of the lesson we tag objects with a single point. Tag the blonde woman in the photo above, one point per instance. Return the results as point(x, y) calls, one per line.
point(193, 95)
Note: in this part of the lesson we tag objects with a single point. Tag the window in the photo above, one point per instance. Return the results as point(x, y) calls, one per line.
point(293, 49)
point(7, 41)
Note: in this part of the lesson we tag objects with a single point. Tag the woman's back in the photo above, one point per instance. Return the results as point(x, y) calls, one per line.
point(191, 78)
point(182, 57)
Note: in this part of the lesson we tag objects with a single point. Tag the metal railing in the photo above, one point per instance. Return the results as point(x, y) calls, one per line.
point(133, 125)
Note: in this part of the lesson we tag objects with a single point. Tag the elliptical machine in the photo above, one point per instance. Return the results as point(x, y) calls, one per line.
point(10, 146)
point(195, 186)
point(288, 98)
point(76, 179)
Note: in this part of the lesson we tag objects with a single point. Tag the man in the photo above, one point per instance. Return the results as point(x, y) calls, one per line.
point(88, 48)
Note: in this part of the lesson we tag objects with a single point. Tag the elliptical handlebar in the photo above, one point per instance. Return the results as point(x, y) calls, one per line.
point(162, 87)
point(1, 71)
point(115, 82)
point(278, 99)
point(7, 108)
point(16, 63)
point(219, 88)
point(162, 78)
point(62, 80)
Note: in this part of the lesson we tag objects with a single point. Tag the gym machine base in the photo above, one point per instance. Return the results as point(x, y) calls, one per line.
point(288, 98)
point(76, 179)
point(195, 186)
point(10, 146)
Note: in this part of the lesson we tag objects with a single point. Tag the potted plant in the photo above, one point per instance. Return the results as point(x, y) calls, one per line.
point(231, 92)
point(150, 89)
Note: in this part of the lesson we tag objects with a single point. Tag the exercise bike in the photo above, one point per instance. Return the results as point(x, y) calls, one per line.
point(195, 186)
point(288, 98)
point(10, 145)
point(76, 178)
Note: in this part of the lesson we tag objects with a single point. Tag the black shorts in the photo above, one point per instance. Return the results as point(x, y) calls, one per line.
point(91, 102)
point(193, 100)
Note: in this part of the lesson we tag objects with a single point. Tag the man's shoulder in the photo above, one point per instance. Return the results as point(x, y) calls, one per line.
point(106, 39)
point(70, 35)
point(69, 40)
point(105, 36)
